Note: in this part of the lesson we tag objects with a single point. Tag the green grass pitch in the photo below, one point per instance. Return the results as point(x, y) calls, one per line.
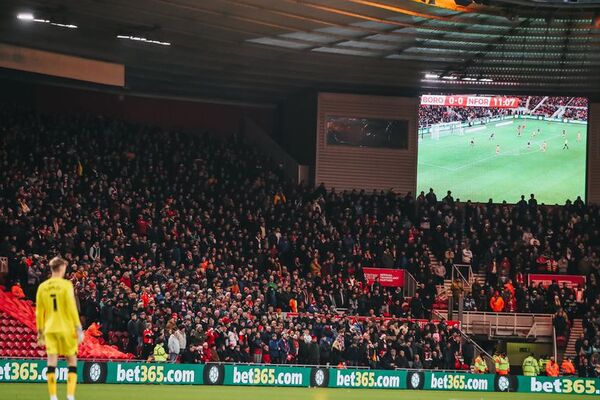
point(475, 172)
point(36, 391)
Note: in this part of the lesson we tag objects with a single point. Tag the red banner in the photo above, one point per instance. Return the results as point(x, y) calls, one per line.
point(387, 277)
point(470, 101)
point(545, 279)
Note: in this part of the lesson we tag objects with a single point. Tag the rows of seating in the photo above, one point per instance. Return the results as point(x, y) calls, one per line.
point(17, 340)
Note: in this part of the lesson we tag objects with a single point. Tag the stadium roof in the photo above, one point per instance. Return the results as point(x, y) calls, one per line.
point(263, 50)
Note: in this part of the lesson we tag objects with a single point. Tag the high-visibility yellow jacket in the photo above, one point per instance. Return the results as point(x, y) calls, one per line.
point(502, 365)
point(480, 365)
point(159, 353)
point(531, 367)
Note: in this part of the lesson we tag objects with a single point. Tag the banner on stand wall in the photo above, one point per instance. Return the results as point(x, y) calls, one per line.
point(155, 373)
point(367, 378)
point(32, 371)
point(458, 381)
point(560, 385)
point(267, 375)
point(387, 277)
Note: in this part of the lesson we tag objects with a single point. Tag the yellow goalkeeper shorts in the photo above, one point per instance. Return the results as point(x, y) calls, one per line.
point(61, 344)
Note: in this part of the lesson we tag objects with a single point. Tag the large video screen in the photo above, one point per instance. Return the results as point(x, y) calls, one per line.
point(501, 147)
point(367, 132)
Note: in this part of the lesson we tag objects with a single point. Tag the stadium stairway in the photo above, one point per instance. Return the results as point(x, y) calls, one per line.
point(441, 300)
point(476, 277)
point(18, 334)
point(444, 291)
point(575, 333)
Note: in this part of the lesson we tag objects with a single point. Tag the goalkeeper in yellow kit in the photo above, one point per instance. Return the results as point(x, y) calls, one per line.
point(58, 325)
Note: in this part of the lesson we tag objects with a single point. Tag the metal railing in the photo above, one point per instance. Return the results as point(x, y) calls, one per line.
point(522, 325)
point(410, 284)
point(489, 360)
point(436, 314)
point(487, 357)
point(464, 272)
point(554, 346)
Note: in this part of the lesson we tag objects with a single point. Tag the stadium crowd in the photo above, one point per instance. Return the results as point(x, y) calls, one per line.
point(201, 248)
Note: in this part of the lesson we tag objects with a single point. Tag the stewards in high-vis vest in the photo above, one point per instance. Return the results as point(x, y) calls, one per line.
point(160, 355)
point(552, 368)
point(480, 366)
point(531, 366)
point(502, 364)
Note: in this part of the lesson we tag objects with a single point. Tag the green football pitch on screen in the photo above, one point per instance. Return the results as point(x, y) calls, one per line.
point(494, 161)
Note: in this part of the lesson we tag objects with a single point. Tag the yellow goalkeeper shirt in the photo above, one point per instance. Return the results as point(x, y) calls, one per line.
point(56, 310)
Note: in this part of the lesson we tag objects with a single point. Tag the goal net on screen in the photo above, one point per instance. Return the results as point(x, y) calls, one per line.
point(446, 129)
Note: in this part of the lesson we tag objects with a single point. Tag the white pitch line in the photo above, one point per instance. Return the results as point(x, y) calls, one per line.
point(437, 166)
point(478, 128)
point(504, 123)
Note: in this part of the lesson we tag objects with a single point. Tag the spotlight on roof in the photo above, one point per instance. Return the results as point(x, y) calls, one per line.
point(26, 16)
point(431, 76)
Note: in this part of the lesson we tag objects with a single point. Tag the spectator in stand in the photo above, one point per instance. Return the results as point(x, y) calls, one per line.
point(467, 255)
point(17, 291)
point(552, 368)
point(567, 367)
point(561, 322)
point(132, 330)
point(585, 370)
point(468, 351)
point(439, 273)
point(174, 347)
point(497, 302)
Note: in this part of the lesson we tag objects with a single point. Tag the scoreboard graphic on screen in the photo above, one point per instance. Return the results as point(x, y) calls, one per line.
point(484, 147)
point(470, 101)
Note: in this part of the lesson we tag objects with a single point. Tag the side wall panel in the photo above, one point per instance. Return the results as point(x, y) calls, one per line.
point(343, 167)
